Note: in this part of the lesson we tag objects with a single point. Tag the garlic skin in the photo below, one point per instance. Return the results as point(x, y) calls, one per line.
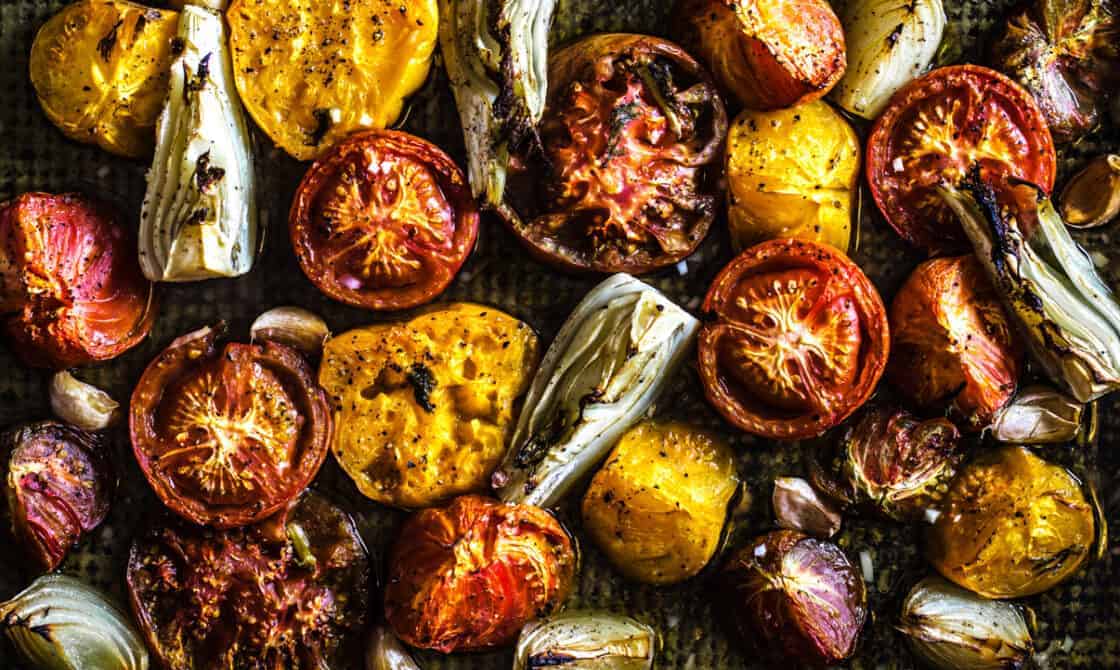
point(1038, 414)
point(1092, 196)
point(199, 217)
point(60, 623)
point(385, 651)
point(81, 404)
point(585, 640)
point(295, 327)
point(890, 42)
point(953, 629)
point(798, 506)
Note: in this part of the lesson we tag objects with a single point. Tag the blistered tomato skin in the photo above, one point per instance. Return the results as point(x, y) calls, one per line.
point(794, 598)
point(384, 221)
point(468, 576)
point(57, 484)
point(632, 130)
point(952, 344)
point(227, 436)
point(936, 130)
point(796, 339)
point(70, 283)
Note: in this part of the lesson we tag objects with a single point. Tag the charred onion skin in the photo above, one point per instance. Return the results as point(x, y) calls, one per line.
point(69, 281)
point(228, 436)
point(784, 312)
point(468, 576)
point(57, 483)
point(952, 343)
point(913, 147)
point(631, 138)
point(793, 598)
point(769, 54)
point(384, 221)
point(250, 597)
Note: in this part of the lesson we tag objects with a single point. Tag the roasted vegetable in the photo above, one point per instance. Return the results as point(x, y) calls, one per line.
point(60, 623)
point(311, 72)
point(891, 463)
point(890, 42)
point(798, 506)
point(1012, 525)
point(252, 597)
point(792, 173)
point(1091, 197)
point(794, 599)
point(58, 486)
point(796, 340)
point(496, 55)
point(769, 53)
point(610, 360)
point(952, 629)
point(424, 409)
point(69, 282)
point(228, 436)
point(82, 405)
point(951, 342)
point(199, 218)
point(101, 69)
point(468, 576)
point(659, 505)
point(630, 139)
point(1064, 311)
point(1038, 415)
point(296, 327)
point(1067, 54)
point(583, 640)
point(384, 651)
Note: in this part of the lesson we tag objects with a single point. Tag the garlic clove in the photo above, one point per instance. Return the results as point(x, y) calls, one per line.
point(1038, 415)
point(385, 651)
point(1092, 196)
point(798, 506)
point(81, 404)
point(295, 327)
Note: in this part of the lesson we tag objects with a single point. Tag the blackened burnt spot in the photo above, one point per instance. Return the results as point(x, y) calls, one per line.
point(105, 44)
point(423, 383)
point(206, 175)
point(322, 125)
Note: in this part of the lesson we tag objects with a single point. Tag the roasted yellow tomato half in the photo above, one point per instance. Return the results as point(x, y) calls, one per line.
point(657, 509)
point(424, 409)
point(311, 72)
point(792, 173)
point(101, 69)
point(1012, 525)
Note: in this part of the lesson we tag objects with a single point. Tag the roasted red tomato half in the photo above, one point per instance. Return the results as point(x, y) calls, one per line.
point(468, 576)
point(939, 128)
point(291, 593)
point(58, 485)
point(796, 339)
point(631, 138)
point(228, 436)
point(384, 221)
point(69, 281)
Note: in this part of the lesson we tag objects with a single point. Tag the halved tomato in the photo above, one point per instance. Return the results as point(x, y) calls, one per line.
point(228, 437)
point(384, 221)
point(70, 281)
point(938, 129)
point(797, 339)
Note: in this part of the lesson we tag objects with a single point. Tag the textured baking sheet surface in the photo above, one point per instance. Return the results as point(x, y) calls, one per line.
point(1078, 622)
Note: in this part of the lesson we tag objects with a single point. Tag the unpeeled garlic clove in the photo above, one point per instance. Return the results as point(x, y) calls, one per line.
point(81, 404)
point(798, 506)
point(293, 326)
point(1038, 414)
point(1092, 196)
point(385, 651)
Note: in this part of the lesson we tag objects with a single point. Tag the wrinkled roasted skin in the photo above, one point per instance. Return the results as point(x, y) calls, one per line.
point(247, 598)
point(228, 436)
point(658, 506)
point(769, 54)
point(424, 409)
point(794, 598)
point(57, 485)
point(952, 343)
point(892, 463)
point(69, 281)
point(796, 340)
point(1067, 54)
point(632, 129)
point(384, 221)
point(1012, 525)
point(468, 576)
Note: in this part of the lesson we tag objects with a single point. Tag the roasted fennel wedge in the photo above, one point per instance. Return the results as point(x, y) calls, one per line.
point(199, 218)
point(496, 55)
point(612, 357)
